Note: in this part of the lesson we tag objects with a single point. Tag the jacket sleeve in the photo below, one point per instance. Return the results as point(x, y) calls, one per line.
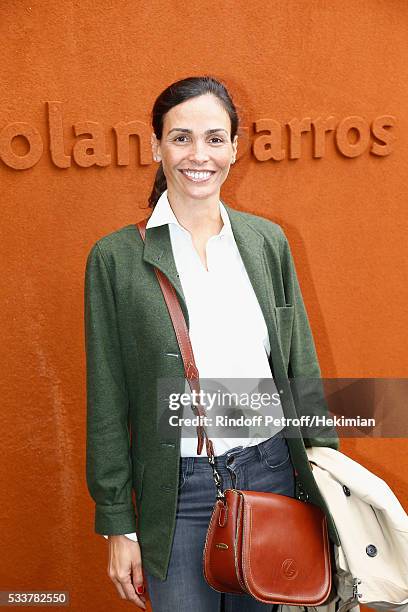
point(304, 370)
point(108, 461)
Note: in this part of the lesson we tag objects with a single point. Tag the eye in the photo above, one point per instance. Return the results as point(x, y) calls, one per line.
point(214, 139)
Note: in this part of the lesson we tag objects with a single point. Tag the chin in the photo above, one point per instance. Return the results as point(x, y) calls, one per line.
point(202, 194)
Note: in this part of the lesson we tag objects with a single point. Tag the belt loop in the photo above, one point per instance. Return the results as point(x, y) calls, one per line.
point(259, 448)
point(190, 465)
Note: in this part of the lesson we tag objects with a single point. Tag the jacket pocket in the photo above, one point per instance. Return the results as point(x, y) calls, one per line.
point(137, 476)
point(284, 320)
point(277, 459)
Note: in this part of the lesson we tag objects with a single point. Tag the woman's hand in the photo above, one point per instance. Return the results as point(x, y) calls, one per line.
point(125, 569)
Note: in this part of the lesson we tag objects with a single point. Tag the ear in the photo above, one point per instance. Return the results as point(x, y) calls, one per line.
point(155, 143)
point(235, 145)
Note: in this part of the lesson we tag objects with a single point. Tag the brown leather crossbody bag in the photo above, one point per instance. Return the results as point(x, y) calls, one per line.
point(274, 547)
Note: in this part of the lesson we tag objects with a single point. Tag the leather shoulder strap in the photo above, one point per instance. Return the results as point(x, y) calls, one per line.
point(183, 339)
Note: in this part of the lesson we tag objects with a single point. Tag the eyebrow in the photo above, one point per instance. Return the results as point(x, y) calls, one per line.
point(190, 131)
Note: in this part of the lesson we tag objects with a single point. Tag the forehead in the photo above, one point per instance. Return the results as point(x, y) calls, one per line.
point(202, 112)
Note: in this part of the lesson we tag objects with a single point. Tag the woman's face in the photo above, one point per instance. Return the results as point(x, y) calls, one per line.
point(195, 148)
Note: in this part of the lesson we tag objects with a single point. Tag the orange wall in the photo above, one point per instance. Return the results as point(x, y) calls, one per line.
point(345, 218)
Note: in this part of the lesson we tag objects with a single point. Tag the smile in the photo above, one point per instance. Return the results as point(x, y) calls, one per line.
point(199, 176)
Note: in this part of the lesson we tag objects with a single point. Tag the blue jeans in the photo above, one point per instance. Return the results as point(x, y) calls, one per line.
point(263, 467)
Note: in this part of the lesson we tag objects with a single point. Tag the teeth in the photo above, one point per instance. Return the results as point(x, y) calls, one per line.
point(197, 176)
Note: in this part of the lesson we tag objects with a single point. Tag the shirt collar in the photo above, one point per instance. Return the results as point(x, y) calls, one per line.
point(163, 213)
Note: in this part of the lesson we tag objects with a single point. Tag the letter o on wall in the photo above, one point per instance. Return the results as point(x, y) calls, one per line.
point(345, 146)
point(33, 137)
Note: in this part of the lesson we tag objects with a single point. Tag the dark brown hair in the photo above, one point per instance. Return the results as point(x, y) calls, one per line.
point(175, 94)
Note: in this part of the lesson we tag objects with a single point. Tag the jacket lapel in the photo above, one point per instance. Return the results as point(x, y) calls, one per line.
point(158, 252)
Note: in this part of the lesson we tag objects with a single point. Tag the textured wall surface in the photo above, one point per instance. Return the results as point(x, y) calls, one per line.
point(345, 216)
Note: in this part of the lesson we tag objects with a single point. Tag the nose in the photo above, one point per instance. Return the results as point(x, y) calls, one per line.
point(198, 153)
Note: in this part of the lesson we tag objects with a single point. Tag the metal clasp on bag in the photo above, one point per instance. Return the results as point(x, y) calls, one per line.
point(217, 479)
point(301, 494)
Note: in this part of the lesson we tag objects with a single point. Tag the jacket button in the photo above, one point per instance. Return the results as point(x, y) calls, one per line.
point(371, 550)
point(346, 491)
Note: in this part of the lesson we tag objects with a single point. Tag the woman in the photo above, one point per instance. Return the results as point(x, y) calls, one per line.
point(234, 277)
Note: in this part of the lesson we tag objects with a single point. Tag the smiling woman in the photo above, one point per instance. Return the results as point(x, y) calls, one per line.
point(231, 272)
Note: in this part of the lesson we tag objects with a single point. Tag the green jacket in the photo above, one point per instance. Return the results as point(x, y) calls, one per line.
point(130, 343)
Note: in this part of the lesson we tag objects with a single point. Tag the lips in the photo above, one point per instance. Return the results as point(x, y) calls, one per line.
point(197, 176)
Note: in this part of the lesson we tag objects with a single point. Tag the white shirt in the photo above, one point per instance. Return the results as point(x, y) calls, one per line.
point(228, 332)
point(227, 329)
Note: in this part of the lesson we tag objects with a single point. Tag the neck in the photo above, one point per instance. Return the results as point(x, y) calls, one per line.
point(196, 215)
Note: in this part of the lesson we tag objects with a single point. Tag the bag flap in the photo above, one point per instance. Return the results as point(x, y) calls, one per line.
point(285, 549)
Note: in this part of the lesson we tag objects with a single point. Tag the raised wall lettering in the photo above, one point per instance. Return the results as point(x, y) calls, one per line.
point(268, 146)
point(353, 149)
point(56, 131)
point(297, 127)
point(320, 128)
point(34, 141)
point(386, 136)
point(123, 132)
point(96, 144)
point(265, 139)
